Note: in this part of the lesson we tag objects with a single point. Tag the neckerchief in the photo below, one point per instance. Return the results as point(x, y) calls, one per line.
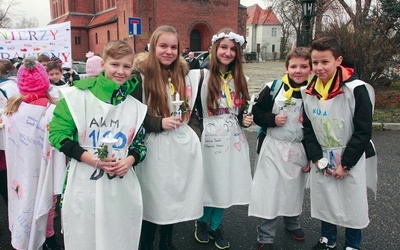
point(226, 77)
point(322, 89)
point(289, 92)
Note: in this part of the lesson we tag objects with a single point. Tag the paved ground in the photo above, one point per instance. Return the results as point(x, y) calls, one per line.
point(382, 232)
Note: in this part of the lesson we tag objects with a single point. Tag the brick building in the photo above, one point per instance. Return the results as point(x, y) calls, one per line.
point(95, 22)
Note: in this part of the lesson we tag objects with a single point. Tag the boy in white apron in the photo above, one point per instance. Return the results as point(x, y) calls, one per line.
point(102, 206)
point(337, 128)
point(279, 180)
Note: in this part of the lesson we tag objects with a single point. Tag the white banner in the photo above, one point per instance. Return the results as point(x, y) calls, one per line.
point(52, 40)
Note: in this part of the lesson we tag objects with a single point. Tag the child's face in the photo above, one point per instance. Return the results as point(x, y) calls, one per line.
point(54, 75)
point(167, 49)
point(324, 64)
point(118, 70)
point(226, 52)
point(298, 69)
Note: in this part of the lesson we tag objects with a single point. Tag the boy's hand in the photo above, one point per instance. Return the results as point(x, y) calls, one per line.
point(247, 120)
point(280, 120)
point(340, 173)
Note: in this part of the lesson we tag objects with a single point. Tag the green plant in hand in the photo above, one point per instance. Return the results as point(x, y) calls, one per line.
point(102, 152)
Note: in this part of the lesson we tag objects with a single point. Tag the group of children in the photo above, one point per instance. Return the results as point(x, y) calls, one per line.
point(188, 124)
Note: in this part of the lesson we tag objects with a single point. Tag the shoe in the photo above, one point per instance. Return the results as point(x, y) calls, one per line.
point(265, 246)
point(201, 232)
point(218, 237)
point(298, 234)
point(323, 245)
point(350, 248)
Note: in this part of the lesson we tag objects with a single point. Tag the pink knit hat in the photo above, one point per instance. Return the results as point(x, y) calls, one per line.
point(93, 64)
point(32, 78)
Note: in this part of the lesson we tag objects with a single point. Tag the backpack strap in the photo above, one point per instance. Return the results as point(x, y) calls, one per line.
point(199, 108)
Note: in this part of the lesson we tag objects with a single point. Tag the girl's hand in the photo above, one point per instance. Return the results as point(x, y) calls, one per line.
point(247, 120)
point(172, 122)
point(280, 120)
point(124, 165)
point(107, 164)
point(308, 168)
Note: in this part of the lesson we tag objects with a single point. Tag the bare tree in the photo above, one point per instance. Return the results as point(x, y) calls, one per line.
point(27, 23)
point(5, 20)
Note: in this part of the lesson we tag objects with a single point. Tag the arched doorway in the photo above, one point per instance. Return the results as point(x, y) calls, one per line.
point(195, 40)
point(200, 37)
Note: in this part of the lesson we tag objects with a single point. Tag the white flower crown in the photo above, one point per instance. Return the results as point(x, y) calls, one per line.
point(232, 36)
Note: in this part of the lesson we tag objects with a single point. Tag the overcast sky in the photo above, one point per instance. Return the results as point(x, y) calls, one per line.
point(41, 9)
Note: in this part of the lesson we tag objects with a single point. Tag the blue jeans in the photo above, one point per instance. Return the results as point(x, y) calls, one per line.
point(353, 236)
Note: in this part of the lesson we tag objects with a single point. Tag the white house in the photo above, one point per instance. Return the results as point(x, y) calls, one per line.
point(263, 33)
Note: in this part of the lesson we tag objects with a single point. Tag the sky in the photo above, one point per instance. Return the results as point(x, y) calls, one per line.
point(41, 9)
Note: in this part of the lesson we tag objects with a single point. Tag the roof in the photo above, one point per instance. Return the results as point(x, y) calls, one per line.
point(259, 16)
point(87, 20)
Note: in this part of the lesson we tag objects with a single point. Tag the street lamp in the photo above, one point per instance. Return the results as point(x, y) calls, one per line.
point(308, 7)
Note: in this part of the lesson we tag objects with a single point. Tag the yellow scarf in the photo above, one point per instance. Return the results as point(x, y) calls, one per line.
point(322, 89)
point(225, 88)
point(171, 87)
point(288, 94)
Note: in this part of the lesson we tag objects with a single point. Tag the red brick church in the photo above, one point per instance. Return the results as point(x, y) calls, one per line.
point(95, 22)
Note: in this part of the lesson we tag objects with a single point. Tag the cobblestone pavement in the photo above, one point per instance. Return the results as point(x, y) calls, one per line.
point(262, 72)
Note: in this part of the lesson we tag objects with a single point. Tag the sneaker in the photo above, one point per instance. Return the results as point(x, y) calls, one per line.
point(297, 234)
point(201, 232)
point(218, 237)
point(350, 248)
point(265, 246)
point(323, 245)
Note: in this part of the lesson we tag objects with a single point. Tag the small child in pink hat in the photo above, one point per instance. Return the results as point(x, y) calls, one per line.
point(93, 64)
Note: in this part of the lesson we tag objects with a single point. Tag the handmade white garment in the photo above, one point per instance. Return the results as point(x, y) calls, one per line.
point(279, 183)
point(8, 89)
point(101, 211)
point(341, 202)
point(226, 160)
point(33, 165)
point(171, 177)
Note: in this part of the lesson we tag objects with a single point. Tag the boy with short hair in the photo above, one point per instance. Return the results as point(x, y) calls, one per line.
point(279, 180)
point(337, 127)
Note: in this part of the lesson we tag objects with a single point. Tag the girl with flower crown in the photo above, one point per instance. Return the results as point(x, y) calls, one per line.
point(171, 178)
point(225, 148)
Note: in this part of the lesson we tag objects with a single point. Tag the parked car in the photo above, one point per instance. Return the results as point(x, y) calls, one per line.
point(199, 55)
point(80, 68)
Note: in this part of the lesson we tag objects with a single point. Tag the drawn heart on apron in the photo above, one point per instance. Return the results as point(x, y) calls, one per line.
point(237, 145)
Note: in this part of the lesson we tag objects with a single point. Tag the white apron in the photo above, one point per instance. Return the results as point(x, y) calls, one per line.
point(102, 211)
point(341, 202)
point(278, 183)
point(32, 167)
point(226, 160)
point(171, 177)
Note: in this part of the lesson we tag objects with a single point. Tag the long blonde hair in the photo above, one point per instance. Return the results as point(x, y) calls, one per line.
point(14, 102)
point(215, 81)
point(156, 76)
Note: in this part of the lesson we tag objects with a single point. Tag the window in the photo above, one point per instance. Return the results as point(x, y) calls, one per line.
point(273, 34)
point(273, 47)
point(77, 40)
point(96, 38)
point(108, 36)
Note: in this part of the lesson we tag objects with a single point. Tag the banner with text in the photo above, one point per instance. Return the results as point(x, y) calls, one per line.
point(52, 40)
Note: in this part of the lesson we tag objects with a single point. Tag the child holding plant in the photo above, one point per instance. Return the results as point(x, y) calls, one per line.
point(227, 172)
point(102, 206)
point(338, 111)
point(279, 181)
point(171, 178)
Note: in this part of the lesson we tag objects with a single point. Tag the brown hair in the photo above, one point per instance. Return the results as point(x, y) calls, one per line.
point(6, 67)
point(299, 52)
point(327, 43)
point(53, 65)
point(156, 76)
point(116, 49)
point(215, 81)
point(43, 58)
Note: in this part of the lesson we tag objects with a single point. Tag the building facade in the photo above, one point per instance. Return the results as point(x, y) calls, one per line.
point(263, 33)
point(96, 22)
